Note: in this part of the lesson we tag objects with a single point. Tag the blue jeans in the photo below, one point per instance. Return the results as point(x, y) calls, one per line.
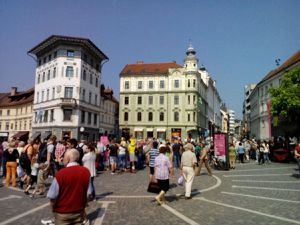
point(177, 159)
point(266, 156)
point(122, 161)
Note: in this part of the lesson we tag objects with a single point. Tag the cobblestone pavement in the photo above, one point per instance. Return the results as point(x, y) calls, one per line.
point(250, 194)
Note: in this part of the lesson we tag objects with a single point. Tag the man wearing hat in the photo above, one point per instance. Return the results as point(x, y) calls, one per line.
point(188, 161)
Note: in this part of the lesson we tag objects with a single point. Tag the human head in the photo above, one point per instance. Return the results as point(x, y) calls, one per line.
point(72, 143)
point(155, 144)
point(189, 146)
point(12, 144)
point(21, 144)
point(52, 138)
point(71, 155)
point(162, 149)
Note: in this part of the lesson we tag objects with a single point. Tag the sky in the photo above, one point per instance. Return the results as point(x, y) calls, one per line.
point(236, 40)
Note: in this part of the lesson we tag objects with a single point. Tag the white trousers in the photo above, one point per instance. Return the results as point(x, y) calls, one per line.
point(188, 174)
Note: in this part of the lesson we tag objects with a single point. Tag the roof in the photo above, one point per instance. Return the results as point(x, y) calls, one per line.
point(20, 98)
point(149, 68)
point(55, 40)
point(289, 62)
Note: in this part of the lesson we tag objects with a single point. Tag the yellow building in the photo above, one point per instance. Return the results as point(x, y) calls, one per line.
point(16, 114)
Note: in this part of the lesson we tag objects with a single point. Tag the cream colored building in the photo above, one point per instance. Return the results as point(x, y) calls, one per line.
point(165, 100)
point(16, 114)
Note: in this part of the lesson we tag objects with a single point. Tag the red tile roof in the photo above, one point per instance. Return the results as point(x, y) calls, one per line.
point(289, 62)
point(149, 68)
point(20, 98)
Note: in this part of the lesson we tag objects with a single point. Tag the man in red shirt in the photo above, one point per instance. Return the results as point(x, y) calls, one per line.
point(69, 190)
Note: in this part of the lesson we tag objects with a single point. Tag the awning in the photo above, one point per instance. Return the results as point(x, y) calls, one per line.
point(138, 129)
point(150, 129)
point(20, 134)
point(46, 135)
point(36, 135)
point(161, 129)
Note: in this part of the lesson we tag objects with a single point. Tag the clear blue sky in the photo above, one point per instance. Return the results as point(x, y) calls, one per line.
point(236, 40)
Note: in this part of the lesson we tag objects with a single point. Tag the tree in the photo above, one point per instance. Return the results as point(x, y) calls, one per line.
point(285, 101)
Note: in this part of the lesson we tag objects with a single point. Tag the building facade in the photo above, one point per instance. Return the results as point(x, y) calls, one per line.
point(16, 114)
point(231, 115)
point(247, 108)
point(164, 100)
point(67, 87)
point(260, 100)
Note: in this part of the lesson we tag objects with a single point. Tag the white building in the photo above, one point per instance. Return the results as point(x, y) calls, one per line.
point(165, 100)
point(260, 100)
point(231, 115)
point(67, 87)
point(247, 108)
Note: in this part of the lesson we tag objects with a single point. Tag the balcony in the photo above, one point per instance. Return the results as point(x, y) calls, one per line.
point(67, 103)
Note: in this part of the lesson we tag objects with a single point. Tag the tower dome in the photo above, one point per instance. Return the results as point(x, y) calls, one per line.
point(191, 61)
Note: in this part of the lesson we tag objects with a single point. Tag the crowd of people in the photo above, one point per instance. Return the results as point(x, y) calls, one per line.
point(30, 163)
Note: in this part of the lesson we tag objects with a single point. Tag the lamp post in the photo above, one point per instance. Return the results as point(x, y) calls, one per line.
point(81, 132)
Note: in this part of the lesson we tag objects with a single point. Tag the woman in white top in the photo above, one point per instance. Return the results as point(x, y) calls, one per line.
point(88, 161)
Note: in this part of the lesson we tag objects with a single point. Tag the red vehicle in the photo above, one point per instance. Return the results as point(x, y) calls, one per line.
point(280, 155)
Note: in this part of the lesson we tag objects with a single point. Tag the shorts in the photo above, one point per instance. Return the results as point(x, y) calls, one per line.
point(163, 184)
point(33, 179)
point(132, 157)
point(151, 170)
point(113, 160)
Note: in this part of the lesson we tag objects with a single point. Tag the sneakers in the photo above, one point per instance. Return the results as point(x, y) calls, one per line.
point(48, 222)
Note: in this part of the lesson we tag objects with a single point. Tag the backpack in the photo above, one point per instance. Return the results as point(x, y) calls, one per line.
point(24, 161)
point(42, 156)
point(81, 153)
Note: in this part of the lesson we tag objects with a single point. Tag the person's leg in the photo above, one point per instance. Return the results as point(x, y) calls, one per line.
point(208, 167)
point(13, 173)
point(93, 188)
point(8, 173)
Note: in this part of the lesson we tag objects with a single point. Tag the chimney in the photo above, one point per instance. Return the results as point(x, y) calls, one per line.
point(13, 91)
point(139, 62)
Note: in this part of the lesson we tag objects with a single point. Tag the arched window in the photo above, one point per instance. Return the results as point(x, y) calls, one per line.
point(176, 116)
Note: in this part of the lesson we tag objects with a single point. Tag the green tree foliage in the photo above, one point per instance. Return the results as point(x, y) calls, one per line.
point(285, 101)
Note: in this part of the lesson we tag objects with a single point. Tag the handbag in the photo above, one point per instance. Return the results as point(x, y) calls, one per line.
point(180, 180)
point(153, 188)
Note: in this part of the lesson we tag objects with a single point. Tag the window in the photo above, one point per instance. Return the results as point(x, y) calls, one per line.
point(189, 99)
point(51, 115)
point(45, 116)
point(47, 95)
point(176, 100)
point(139, 116)
point(189, 117)
point(16, 125)
point(126, 116)
point(92, 62)
point(53, 93)
point(194, 99)
point(68, 92)
point(96, 82)
point(40, 62)
point(126, 84)
point(82, 116)
point(84, 75)
point(176, 83)
point(42, 96)
point(139, 101)
point(96, 99)
point(161, 84)
point(54, 72)
point(189, 83)
point(140, 84)
point(85, 58)
point(69, 71)
point(151, 84)
point(25, 125)
point(37, 97)
point(89, 118)
point(194, 116)
point(45, 60)
point(39, 79)
point(161, 116)
point(194, 82)
point(49, 57)
point(150, 100)
point(176, 116)
point(70, 53)
point(91, 78)
point(90, 97)
point(161, 100)
point(7, 126)
point(83, 94)
point(55, 54)
point(150, 116)
point(67, 114)
point(126, 100)
point(95, 119)
point(43, 79)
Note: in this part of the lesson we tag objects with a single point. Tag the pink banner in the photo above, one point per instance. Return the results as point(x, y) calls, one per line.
point(220, 144)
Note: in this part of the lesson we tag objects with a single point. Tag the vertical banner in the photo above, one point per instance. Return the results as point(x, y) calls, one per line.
point(220, 146)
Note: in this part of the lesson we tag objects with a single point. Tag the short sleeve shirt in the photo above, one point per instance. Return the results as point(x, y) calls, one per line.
point(188, 158)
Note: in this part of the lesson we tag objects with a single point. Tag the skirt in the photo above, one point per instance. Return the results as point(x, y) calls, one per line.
point(163, 184)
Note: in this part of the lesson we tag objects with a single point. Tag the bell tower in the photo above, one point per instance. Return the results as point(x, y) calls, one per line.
point(191, 61)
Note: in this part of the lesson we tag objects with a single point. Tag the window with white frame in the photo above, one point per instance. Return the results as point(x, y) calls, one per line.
point(161, 84)
point(69, 71)
point(126, 84)
point(176, 116)
point(150, 116)
point(53, 93)
point(139, 100)
point(139, 116)
point(161, 100)
point(176, 83)
point(67, 114)
point(176, 100)
point(161, 116)
point(150, 100)
point(126, 116)
point(140, 84)
point(126, 100)
point(54, 72)
point(70, 53)
point(68, 92)
point(151, 84)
